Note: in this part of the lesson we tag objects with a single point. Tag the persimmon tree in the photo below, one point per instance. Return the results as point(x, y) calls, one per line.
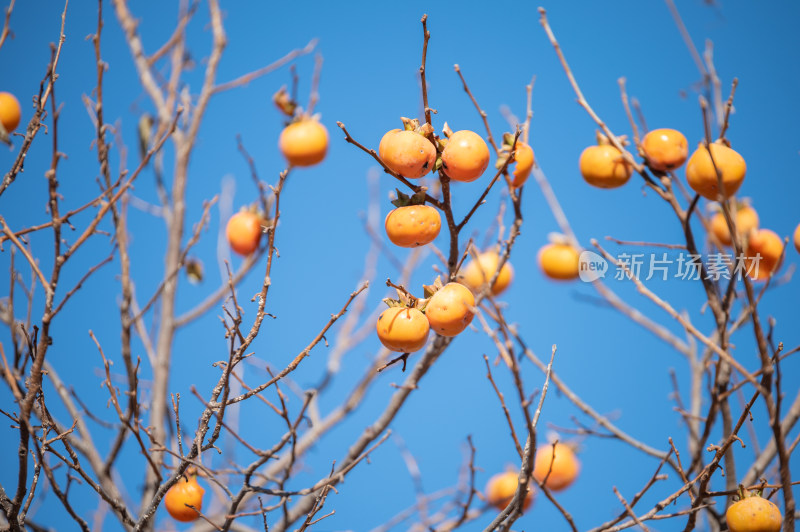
point(210, 469)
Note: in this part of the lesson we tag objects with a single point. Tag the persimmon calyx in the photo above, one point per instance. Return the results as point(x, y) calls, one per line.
point(446, 131)
point(509, 141)
point(557, 238)
point(404, 200)
point(603, 140)
point(431, 289)
point(256, 209)
point(724, 142)
point(426, 130)
point(405, 299)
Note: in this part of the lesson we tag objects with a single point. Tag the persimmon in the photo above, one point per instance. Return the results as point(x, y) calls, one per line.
point(753, 513)
point(763, 254)
point(797, 238)
point(501, 488)
point(185, 491)
point(403, 329)
point(523, 163)
point(244, 232)
point(413, 226)
point(408, 153)
point(746, 221)
point(478, 273)
point(559, 261)
point(449, 310)
point(701, 171)
point(304, 142)
point(10, 111)
point(556, 465)
point(465, 157)
point(665, 149)
point(603, 166)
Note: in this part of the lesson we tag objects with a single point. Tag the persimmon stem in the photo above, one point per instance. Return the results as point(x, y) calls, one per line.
point(428, 198)
point(401, 288)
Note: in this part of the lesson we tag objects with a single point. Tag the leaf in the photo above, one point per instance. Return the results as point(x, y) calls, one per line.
point(283, 101)
point(145, 131)
point(194, 270)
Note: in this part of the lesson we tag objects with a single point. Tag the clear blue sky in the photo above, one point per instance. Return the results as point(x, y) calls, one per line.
point(369, 80)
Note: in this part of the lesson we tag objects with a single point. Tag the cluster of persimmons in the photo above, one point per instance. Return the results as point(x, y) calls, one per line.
point(665, 150)
point(714, 170)
point(415, 151)
point(463, 156)
point(555, 466)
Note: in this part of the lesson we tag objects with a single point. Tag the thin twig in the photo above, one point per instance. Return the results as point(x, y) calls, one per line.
point(247, 78)
point(426, 35)
point(6, 23)
point(478, 107)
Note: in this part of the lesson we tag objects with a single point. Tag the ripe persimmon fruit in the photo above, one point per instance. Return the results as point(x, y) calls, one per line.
point(523, 163)
point(304, 142)
point(10, 111)
point(408, 153)
point(244, 232)
point(449, 310)
point(797, 238)
point(753, 513)
point(403, 329)
point(185, 491)
point(478, 273)
point(763, 254)
point(465, 157)
point(701, 171)
point(603, 166)
point(559, 261)
point(665, 149)
point(413, 225)
point(746, 221)
point(556, 465)
point(501, 488)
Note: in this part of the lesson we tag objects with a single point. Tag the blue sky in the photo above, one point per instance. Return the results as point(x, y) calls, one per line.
point(369, 80)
